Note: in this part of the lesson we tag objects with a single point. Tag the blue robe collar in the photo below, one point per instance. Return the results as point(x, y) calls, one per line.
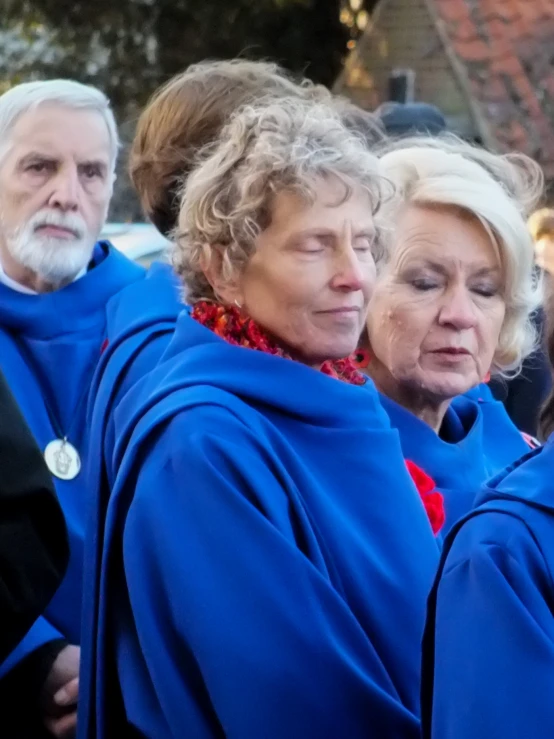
point(463, 424)
point(203, 360)
point(55, 313)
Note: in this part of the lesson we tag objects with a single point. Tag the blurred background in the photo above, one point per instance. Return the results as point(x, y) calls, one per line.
point(488, 65)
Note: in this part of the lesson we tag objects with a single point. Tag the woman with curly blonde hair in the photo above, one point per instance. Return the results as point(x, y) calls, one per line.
point(268, 557)
point(183, 116)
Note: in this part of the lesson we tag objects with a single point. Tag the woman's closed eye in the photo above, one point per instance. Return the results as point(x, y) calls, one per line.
point(485, 290)
point(424, 284)
point(364, 243)
point(313, 245)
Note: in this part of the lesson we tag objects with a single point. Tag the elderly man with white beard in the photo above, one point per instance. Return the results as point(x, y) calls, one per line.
point(58, 148)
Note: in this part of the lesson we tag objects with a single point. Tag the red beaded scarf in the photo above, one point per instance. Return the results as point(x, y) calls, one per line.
point(228, 323)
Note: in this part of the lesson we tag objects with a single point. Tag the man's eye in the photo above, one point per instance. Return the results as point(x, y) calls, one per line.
point(39, 167)
point(91, 172)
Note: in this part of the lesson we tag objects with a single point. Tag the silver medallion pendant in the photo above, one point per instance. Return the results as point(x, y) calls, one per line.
point(62, 459)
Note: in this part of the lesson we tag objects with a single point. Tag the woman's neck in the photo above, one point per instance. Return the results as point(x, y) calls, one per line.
point(230, 324)
point(429, 409)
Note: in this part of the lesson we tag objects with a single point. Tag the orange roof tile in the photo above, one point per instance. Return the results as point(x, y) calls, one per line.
point(507, 49)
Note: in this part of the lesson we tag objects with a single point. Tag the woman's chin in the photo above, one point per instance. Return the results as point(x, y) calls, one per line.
point(449, 385)
point(320, 353)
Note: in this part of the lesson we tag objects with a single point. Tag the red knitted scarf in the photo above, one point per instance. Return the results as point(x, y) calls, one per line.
point(228, 323)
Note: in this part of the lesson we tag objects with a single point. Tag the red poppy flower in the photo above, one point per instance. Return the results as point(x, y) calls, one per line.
point(430, 496)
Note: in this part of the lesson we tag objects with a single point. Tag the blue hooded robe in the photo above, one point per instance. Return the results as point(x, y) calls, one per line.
point(141, 320)
point(495, 415)
point(50, 345)
point(465, 453)
point(266, 557)
point(488, 655)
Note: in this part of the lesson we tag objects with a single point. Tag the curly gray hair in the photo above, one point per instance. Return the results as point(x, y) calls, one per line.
point(273, 146)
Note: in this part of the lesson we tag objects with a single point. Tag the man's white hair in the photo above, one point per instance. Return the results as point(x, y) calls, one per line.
point(67, 93)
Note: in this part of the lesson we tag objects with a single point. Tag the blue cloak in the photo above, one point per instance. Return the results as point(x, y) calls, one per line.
point(266, 557)
point(49, 347)
point(464, 455)
point(488, 655)
point(140, 323)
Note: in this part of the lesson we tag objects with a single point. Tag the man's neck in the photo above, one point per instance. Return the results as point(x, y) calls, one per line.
point(29, 279)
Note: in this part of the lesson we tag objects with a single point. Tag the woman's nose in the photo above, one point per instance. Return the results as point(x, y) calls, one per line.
point(458, 310)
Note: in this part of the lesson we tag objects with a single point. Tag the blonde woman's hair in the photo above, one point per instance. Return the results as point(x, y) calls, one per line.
point(498, 190)
point(274, 146)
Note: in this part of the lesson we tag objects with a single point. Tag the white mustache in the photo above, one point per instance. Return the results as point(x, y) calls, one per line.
point(69, 221)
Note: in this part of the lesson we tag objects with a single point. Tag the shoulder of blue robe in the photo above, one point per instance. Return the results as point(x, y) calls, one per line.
point(497, 422)
point(140, 322)
point(271, 559)
point(490, 613)
point(79, 307)
point(63, 315)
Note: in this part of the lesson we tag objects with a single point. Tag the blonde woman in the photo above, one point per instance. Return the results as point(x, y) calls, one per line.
point(452, 306)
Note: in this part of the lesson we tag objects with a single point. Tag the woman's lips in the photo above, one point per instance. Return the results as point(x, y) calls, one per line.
point(454, 351)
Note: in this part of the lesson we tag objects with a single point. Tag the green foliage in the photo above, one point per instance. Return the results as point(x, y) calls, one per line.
point(129, 47)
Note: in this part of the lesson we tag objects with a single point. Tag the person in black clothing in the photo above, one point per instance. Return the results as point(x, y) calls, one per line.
point(33, 541)
point(524, 395)
point(34, 553)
